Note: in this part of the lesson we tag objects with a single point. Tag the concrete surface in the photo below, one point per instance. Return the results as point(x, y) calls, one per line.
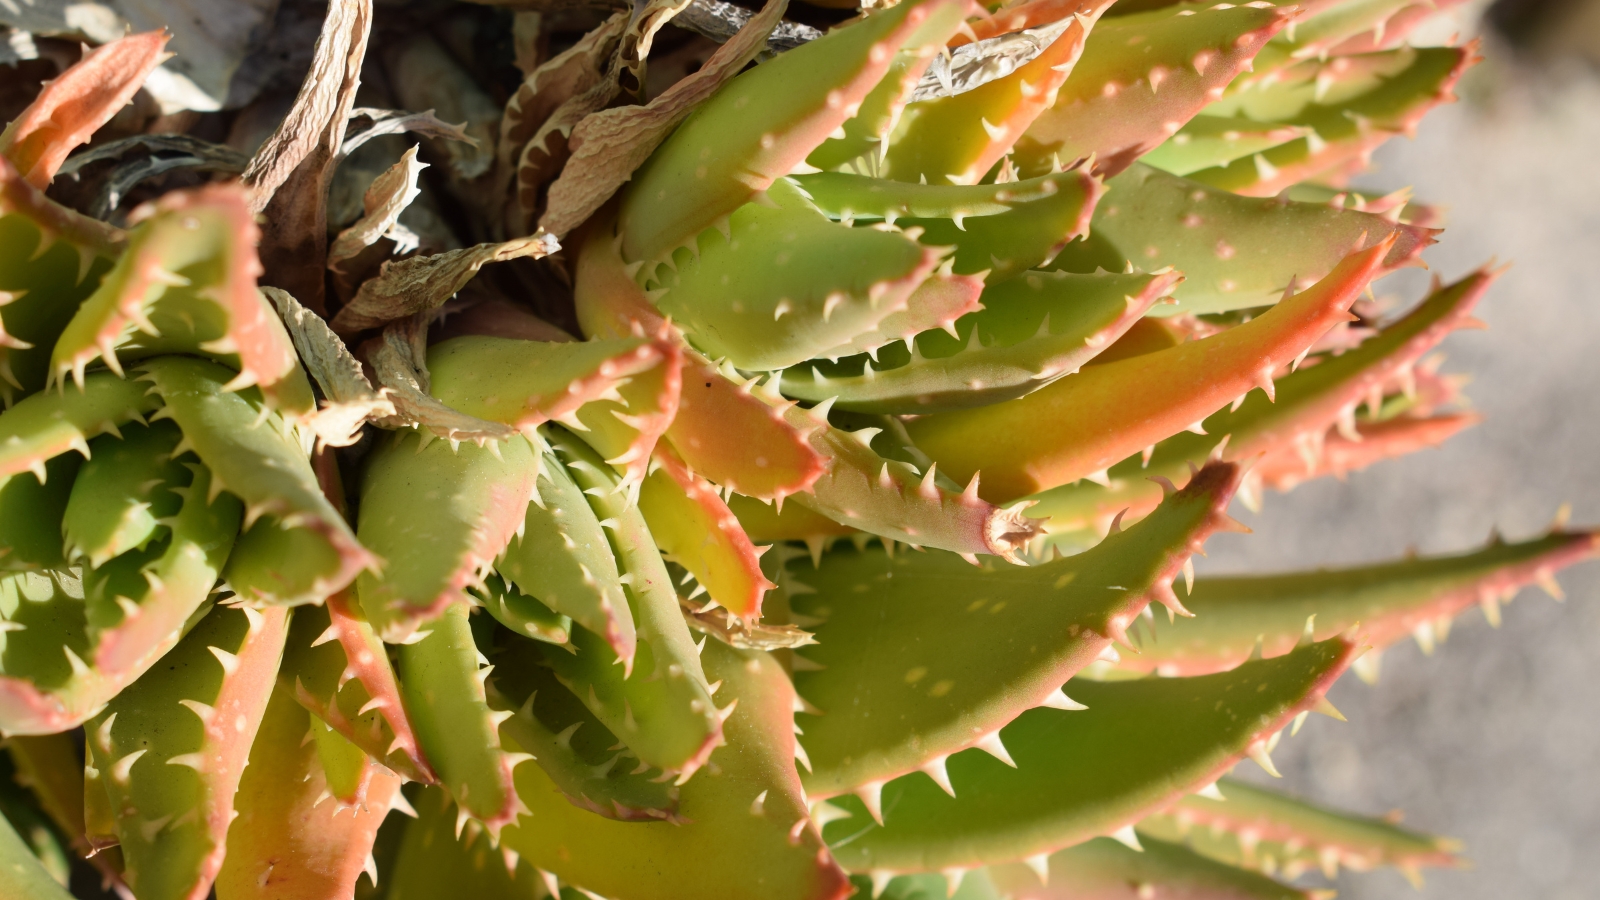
point(1495, 738)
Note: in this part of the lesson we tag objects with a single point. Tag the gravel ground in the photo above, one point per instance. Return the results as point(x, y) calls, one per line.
point(1494, 738)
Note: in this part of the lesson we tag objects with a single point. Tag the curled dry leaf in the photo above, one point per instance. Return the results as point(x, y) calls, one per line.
point(288, 177)
point(425, 76)
point(399, 359)
point(720, 624)
point(350, 399)
point(641, 34)
point(423, 283)
point(398, 121)
point(608, 146)
point(388, 196)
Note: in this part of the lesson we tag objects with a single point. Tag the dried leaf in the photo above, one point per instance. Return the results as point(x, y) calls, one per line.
point(399, 360)
point(288, 178)
point(542, 113)
point(423, 283)
point(720, 624)
point(608, 146)
point(75, 105)
point(398, 121)
point(641, 34)
point(425, 76)
point(163, 153)
point(351, 402)
point(388, 196)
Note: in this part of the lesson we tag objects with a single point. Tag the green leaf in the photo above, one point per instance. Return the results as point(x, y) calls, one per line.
point(1146, 742)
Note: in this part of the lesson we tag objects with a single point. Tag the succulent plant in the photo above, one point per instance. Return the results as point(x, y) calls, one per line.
point(823, 560)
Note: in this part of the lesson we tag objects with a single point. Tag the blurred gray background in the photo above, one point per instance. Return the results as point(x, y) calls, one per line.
point(1495, 738)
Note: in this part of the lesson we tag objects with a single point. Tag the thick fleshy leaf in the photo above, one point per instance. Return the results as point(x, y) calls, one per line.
point(747, 834)
point(759, 127)
point(1288, 434)
point(1208, 140)
point(437, 858)
point(51, 259)
point(1347, 130)
point(522, 613)
point(785, 284)
point(49, 767)
point(1234, 252)
point(958, 139)
point(1142, 76)
point(73, 106)
point(1261, 829)
point(1084, 423)
point(562, 559)
point(31, 516)
point(187, 284)
point(291, 841)
point(121, 491)
point(50, 424)
point(958, 651)
point(1146, 742)
point(473, 500)
point(1031, 331)
point(859, 144)
point(340, 672)
point(770, 460)
point(173, 746)
point(444, 692)
point(576, 750)
point(21, 875)
point(1235, 617)
point(695, 529)
point(659, 704)
point(527, 383)
point(1106, 869)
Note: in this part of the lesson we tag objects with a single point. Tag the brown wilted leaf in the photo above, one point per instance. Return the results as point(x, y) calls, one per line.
point(73, 106)
point(424, 75)
point(608, 146)
point(288, 177)
point(423, 283)
point(398, 359)
point(388, 196)
point(350, 399)
point(720, 624)
point(526, 128)
point(398, 121)
point(636, 41)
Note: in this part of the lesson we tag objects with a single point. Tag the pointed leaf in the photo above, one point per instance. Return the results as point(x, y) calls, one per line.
point(1141, 77)
point(1145, 741)
point(562, 559)
point(172, 769)
point(1104, 413)
point(1031, 331)
point(1234, 252)
point(291, 841)
point(730, 149)
point(1105, 869)
point(771, 459)
point(747, 834)
point(898, 633)
point(476, 498)
point(443, 688)
point(50, 424)
point(660, 704)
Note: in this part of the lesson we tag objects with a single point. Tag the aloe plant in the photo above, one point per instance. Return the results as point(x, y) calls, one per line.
point(823, 560)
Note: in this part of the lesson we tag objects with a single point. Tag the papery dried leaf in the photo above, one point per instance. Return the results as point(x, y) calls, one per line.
point(608, 146)
point(423, 283)
point(398, 121)
point(399, 361)
point(288, 177)
point(388, 196)
point(351, 401)
point(648, 18)
point(424, 75)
